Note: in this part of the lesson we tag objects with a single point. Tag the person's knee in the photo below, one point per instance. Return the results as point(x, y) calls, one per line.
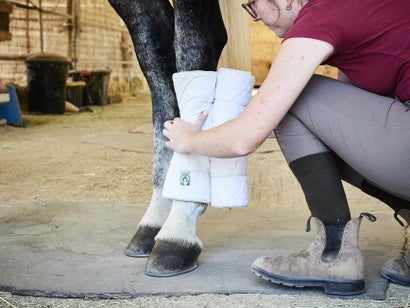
point(296, 140)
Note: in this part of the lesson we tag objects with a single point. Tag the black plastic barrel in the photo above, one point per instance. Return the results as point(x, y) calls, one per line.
point(46, 82)
point(97, 84)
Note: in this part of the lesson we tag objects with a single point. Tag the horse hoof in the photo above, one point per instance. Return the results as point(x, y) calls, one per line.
point(172, 258)
point(142, 242)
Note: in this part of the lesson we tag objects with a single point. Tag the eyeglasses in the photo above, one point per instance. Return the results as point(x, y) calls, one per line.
point(248, 8)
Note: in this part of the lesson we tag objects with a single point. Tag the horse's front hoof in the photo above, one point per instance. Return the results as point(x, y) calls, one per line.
point(142, 242)
point(172, 258)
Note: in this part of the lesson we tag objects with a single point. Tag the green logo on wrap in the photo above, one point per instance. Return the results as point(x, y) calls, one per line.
point(185, 178)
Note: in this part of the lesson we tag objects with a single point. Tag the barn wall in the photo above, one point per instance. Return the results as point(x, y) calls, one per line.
point(96, 40)
point(93, 37)
point(104, 43)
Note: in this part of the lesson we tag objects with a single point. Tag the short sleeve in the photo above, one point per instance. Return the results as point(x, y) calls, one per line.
point(313, 22)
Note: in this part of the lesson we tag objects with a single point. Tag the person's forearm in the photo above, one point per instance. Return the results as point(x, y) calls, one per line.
point(225, 141)
point(292, 69)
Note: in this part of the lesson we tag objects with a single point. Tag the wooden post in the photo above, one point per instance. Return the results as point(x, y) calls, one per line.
point(76, 21)
point(40, 12)
point(5, 11)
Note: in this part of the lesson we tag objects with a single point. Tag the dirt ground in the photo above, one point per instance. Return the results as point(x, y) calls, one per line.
point(51, 159)
point(72, 157)
point(66, 157)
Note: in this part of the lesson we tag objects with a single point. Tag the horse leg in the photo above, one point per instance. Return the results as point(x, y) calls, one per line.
point(200, 36)
point(151, 26)
point(177, 246)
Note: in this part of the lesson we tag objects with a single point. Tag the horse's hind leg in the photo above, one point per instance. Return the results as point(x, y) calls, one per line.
point(199, 39)
point(151, 26)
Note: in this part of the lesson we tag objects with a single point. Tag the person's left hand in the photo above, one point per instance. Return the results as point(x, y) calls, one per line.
point(180, 133)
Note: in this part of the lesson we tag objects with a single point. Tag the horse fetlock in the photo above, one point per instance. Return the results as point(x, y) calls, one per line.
point(142, 242)
point(170, 258)
point(197, 209)
point(180, 226)
point(186, 210)
point(157, 211)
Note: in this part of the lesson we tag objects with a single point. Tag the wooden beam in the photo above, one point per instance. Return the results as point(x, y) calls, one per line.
point(5, 7)
point(5, 36)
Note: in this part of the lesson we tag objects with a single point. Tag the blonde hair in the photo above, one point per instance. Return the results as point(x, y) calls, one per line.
point(236, 53)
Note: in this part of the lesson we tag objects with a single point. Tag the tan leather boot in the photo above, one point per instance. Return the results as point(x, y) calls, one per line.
point(398, 270)
point(342, 273)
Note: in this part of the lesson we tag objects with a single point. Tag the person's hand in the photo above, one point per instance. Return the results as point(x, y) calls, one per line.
point(180, 133)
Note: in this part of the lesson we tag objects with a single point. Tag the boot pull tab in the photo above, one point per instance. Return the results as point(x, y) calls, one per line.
point(369, 216)
point(308, 224)
point(396, 216)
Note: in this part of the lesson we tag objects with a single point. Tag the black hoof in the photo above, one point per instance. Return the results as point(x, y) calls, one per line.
point(142, 242)
point(172, 258)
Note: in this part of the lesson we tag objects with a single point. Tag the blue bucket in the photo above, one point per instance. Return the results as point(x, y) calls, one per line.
point(11, 110)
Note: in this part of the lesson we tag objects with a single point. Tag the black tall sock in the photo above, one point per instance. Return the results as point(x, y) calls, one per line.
point(321, 183)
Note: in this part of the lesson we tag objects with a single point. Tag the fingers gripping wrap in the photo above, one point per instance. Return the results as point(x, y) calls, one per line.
point(195, 178)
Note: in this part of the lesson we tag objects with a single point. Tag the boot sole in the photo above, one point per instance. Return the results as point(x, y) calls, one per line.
point(344, 287)
point(395, 279)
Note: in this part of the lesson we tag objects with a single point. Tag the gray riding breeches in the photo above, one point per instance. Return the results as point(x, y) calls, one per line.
point(369, 133)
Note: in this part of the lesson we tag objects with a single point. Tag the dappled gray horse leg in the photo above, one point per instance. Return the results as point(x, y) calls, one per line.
point(200, 36)
point(189, 37)
point(151, 26)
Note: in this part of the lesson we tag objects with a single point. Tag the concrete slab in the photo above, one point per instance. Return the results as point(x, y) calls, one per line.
point(67, 249)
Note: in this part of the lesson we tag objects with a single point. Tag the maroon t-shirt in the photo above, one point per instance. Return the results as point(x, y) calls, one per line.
point(371, 40)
